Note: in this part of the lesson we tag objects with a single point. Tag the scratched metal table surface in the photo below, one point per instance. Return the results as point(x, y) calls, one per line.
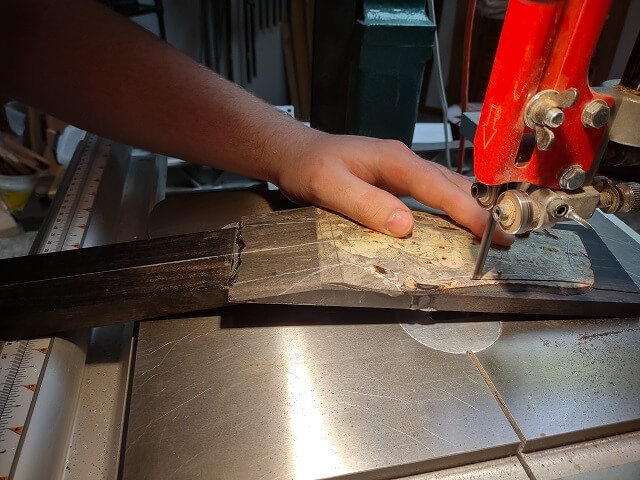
point(302, 402)
point(565, 381)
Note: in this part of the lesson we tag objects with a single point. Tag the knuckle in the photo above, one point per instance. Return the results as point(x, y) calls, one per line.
point(318, 178)
point(394, 145)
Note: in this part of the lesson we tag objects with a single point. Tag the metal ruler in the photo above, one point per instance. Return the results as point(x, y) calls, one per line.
point(70, 224)
point(22, 363)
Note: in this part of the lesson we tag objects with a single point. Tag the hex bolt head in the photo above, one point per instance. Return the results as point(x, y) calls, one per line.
point(572, 178)
point(596, 114)
point(553, 117)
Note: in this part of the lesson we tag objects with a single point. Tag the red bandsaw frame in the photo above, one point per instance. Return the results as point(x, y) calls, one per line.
point(543, 45)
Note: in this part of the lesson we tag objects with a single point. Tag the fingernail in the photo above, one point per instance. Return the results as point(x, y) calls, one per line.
point(399, 223)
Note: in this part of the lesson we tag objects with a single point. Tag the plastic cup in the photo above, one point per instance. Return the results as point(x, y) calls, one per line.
point(15, 190)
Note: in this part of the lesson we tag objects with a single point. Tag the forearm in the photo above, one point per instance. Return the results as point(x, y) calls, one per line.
point(83, 63)
point(93, 68)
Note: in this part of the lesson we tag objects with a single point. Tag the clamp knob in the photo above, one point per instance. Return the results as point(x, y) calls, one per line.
point(630, 197)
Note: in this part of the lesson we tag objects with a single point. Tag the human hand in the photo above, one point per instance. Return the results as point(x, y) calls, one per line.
point(361, 177)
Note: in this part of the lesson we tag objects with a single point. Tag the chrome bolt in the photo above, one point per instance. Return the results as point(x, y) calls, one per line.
point(504, 213)
point(485, 195)
point(553, 117)
point(572, 178)
point(596, 114)
point(479, 190)
point(500, 214)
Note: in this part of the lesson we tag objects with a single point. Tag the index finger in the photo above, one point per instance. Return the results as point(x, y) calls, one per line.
point(441, 189)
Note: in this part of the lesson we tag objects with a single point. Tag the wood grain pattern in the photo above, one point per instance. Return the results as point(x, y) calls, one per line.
point(440, 255)
point(310, 257)
point(51, 293)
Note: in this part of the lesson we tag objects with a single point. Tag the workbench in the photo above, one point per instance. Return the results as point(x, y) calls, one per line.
point(308, 392)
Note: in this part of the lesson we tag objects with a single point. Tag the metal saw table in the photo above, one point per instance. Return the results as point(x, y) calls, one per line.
point(299, 392)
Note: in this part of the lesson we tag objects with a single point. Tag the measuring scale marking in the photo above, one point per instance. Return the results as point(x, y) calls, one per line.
point(22, 362)
point(69, 227)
